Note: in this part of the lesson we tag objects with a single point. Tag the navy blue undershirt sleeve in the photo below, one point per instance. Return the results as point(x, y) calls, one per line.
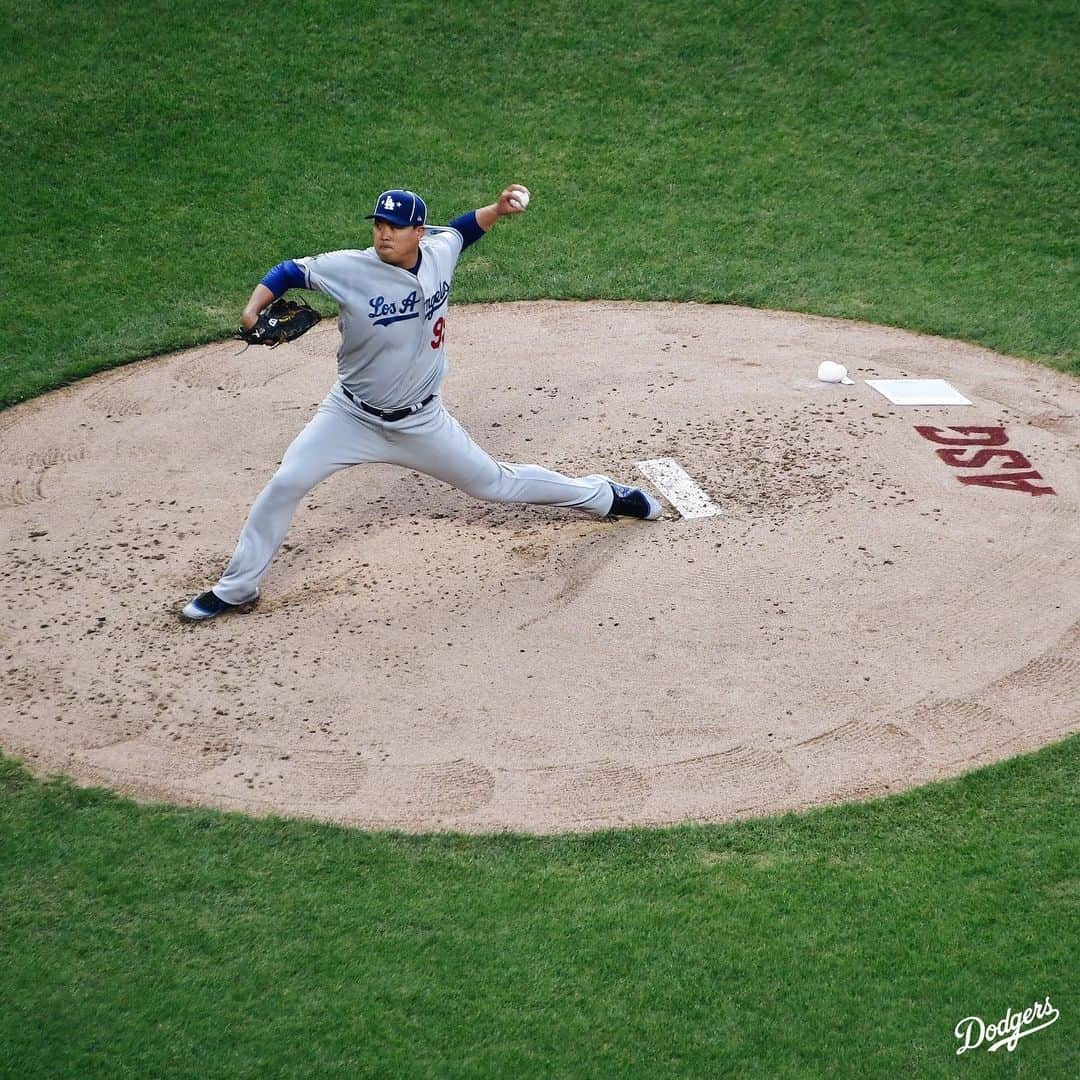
point(467, 225)
point(286, 275)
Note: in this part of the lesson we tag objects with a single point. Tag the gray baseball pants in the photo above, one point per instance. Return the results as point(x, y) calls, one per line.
point(430, 441)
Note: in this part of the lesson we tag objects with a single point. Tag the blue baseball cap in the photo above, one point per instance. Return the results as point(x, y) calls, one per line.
point(400, 207)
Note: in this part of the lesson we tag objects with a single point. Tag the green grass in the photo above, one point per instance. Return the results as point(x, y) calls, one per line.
point(911, 163)
point(149, 941)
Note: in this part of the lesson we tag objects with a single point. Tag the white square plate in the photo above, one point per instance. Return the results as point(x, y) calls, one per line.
point(918, 391)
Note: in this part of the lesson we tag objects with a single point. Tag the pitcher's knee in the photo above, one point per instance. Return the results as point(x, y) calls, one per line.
point(491, 485)
point(290, 484)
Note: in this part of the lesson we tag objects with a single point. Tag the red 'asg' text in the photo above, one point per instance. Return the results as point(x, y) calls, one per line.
point(976, 447)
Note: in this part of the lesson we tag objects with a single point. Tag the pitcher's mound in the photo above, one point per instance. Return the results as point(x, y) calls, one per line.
point(874, 605)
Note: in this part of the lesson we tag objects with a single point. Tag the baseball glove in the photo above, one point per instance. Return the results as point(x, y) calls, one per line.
point(283, 320)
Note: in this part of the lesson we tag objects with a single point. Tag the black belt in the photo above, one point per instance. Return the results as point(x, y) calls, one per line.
point(390, 417)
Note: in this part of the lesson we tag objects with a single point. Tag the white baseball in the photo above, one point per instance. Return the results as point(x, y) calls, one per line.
point(520, 199)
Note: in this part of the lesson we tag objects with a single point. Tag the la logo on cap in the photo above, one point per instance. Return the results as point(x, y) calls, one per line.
point(390, 206)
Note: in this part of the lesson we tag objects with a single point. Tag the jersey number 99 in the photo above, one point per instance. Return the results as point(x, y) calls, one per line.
point(439, 330)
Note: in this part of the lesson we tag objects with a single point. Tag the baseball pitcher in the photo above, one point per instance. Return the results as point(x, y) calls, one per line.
point(385, 405)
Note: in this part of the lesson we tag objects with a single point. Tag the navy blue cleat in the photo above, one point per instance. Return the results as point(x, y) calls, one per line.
point(633, 502)
point(210, 604)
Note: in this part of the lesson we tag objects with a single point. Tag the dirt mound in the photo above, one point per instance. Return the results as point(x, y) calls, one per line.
point(860, 617)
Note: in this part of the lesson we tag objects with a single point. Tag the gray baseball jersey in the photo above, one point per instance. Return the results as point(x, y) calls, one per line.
point(392, 321)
